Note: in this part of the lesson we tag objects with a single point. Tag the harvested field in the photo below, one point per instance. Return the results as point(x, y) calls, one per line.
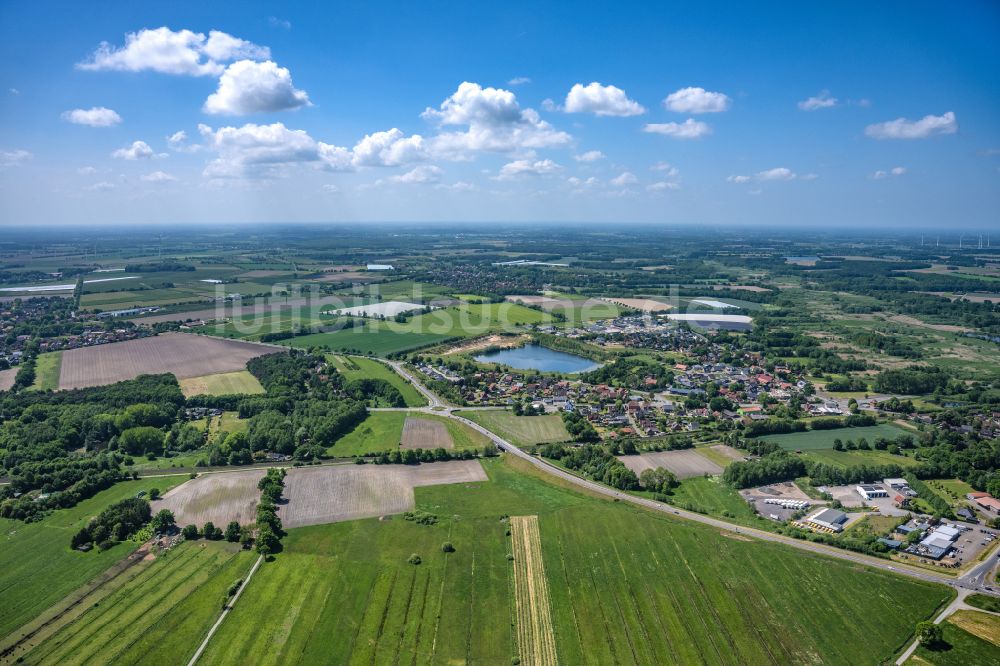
point(535, 637)
point(223, 383)
point(182, 354)
point(684, 464)
point(425, 434)
point(982, 625)
point(219, 498)
point(333, 494)
point(727, 451)
point(7, 379)
point(738, 287)
point(646, 304)
point(913, 321)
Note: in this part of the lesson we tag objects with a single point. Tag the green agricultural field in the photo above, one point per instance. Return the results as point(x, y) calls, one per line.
point(811, 440)
point(358, 367)
point(372, 338)
point(711, 496)
point(37, 566)
point(47, 371)
point(856, 458)
point(961, 647)
point(382, 431)
point(222, 383)
point(155, 612)
point(520, 430)
point(626, 586)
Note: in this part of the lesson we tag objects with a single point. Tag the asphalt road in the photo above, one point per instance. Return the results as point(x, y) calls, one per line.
point(974, 579)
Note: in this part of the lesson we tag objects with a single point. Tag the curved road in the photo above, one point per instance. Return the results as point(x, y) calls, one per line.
point(974, 579)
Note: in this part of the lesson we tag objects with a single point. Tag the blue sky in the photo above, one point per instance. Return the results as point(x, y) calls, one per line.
point(757, 113)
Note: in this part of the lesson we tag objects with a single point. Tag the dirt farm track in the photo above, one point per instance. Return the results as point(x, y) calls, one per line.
point(183, 354)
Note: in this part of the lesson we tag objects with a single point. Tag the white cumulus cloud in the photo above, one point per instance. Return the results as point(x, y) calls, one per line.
point(248, 87)
point(601, 100)
point(589, 156)
point(14, 157)
point(895, 171)
point(158, 177)
point(139, 150)
point(519, 81)
point(738, 179)
point(182, 52)
point(777, 173)
point(519, 168)
point(266, 151)
point(821, 101)
point(390, 148)
point(421, 175)
point(494, 122)
point(697, 100)
point(624, 179)
point(903, 128)
point(689, 129)
point(97, 116)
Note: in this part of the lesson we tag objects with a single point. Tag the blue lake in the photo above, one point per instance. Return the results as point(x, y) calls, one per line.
point(536, 357)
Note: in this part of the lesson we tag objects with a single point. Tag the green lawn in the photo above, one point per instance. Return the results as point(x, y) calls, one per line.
point(359, 367)
point(155, 612)
point(47, 368)
point(984, 601)
point(627, 586)
point(855, 458)
point(520, 430)
point(961, 648)
point(37, 566)
point(382, 431)
point(222, 383)
point(823, 439)
point(714, 498)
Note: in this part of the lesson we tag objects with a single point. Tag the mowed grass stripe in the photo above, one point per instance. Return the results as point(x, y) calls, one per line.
point(122, 618)
point(536, 639)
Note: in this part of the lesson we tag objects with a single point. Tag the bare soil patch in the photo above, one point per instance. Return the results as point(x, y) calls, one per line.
point(7, 379)
point(684, 464)
point(645, 304)
point(182, 354)
point(738, 287)
point(331, 494)
point(219, 498)
point(913, 321)
point(425, 434)
point(533, 609)
point(727, 451)
point(501, 341)
point(784, 490)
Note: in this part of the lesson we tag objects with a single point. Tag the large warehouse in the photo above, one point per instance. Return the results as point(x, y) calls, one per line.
point(827, 520)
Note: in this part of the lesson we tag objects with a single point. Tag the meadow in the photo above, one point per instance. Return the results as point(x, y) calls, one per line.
point(358, 367)
point(856, 458)
point(811, 440)
point(47, 368)
point(382, 431)
point(962, 647)
point(155, 612)
point(346, 593)
point(37, 566)
point(221, 383)
point(520, 430)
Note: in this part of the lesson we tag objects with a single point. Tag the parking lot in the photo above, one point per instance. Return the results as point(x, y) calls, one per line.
point(972, 542)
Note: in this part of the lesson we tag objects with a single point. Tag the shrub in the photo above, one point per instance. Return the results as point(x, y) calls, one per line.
point(446, 547)
point(414, 559)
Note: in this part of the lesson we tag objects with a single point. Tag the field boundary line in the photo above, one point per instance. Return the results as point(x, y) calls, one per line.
point(225, 612)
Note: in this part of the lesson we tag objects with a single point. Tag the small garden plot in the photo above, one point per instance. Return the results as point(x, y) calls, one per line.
point(219, 498)
point(222, 383)
point(182, 354)
point(425, 434)
point(684, 464)
point(333, 494)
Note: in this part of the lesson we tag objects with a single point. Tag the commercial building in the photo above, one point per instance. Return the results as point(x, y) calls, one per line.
point(868, 492)
point(827, 520)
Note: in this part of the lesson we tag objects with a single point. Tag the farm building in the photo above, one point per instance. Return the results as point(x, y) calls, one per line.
point(988, 504)
point(380, 267)
point(967, 515)
point(827, 520)
point(891, 543)
point(867, 492)
point(896, 484)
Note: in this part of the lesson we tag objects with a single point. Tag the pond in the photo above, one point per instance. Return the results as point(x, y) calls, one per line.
point(537, 357)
